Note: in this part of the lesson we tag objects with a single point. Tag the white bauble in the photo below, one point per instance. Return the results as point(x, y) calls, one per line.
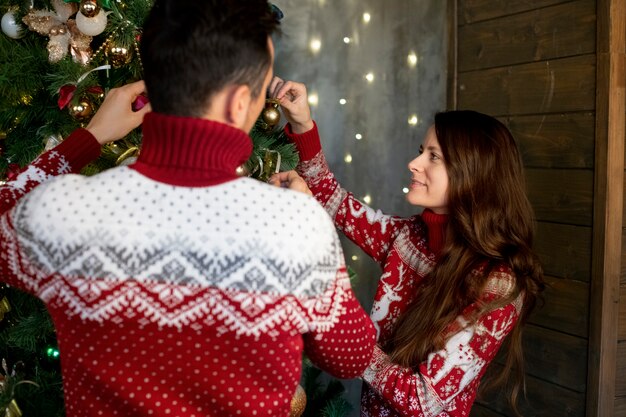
point(91, 26)
point(11, 27)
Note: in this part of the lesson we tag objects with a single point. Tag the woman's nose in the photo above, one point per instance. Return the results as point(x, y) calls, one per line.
point(415, 165)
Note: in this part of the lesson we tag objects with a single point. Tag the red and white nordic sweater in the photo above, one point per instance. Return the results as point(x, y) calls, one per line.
point(406, 249)
point(177, 288)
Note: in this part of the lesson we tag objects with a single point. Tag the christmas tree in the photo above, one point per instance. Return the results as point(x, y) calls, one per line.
point(58, 58)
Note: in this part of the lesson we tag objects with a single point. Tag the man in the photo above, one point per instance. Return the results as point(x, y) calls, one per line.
point(177, 288)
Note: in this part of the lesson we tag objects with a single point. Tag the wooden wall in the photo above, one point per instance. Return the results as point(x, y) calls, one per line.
point(535, 65)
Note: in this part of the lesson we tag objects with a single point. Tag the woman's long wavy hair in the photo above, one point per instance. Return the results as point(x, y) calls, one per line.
point(490, 222)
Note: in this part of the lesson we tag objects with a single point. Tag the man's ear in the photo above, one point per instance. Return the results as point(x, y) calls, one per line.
point(238, 105)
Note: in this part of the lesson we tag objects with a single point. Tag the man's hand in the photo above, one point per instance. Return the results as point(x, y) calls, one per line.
point(294, 101)
point(115, 118)
point(291, 180)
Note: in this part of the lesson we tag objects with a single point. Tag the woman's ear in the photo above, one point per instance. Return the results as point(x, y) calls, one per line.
point(238, 105)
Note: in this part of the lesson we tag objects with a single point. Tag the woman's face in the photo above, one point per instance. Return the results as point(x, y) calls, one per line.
point(429, 178)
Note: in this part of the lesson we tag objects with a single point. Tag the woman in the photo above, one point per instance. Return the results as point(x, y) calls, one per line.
point(457, 279)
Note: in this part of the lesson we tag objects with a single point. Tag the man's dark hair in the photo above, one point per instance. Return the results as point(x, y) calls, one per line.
point(191, 49)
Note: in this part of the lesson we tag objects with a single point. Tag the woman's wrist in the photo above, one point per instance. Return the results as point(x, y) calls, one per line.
point(300, 128)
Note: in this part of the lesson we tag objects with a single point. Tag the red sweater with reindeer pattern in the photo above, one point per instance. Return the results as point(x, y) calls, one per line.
point(406, 248)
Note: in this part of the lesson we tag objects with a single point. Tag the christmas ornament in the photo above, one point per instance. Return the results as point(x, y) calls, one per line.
point(270, 114)
point(242, 171)
point(128, 157)
point(52, 141)
point(63, 33)
point(13, 410)
point(11, 27)
point(89, 8)
point(118, 55)
point(270, 165)
point(81, 110)
point(298, 402)
point(5, 307)
point(92, 26)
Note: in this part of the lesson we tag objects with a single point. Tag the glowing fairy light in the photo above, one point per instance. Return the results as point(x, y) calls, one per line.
point(314, 99)
point(414, 120)
point(358, 136)
point(412, 59)
point(367, 199)
point(347, 40)
point(405, 190)
point(348, 158)
point(355, 258)
point(367, 17)
point(369, 77)
point(316, 45)
point(343, 101)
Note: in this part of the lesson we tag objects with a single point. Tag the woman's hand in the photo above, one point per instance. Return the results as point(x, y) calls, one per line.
point(294, 101)
point(291, 180)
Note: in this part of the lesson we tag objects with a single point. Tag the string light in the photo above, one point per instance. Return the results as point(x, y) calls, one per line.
point(348, 158)
point(405, 190)
point(414, 120)
point(313, 99)
point(367, 17)
point(316, 45)
point(412, 59)
point(358, 136)
point(343, 101)
point(355, 258)
point(52, 352)
point(367, 199)
point(369, 77)
point(347, 40)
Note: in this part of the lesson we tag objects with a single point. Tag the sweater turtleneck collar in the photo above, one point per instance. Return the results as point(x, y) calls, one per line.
point(191, 152)
point(436, 224)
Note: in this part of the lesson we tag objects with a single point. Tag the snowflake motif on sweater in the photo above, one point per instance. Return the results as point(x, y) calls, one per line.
point(197, 304)
point(446, 383)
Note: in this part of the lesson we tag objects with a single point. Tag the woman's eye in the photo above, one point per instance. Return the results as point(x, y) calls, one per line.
point(434, 157)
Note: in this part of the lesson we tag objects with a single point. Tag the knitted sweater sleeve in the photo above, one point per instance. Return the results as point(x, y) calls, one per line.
point(441, 382)
point(373, 231)
point(343, 349)
point(68, 157)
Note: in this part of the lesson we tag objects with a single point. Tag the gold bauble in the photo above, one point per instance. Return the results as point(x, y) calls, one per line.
point(119, 55)
point(82, 110)
point(270, 114)
point(298, 402)
point(89, 8)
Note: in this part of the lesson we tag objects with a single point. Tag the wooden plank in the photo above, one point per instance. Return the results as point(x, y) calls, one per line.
point(558, 195)
point(621, 333)
point(608, 201)
point(479, 410)
point(544, 399)
point(477, 10)
point(556, 357)
point(620, 383)
point(562, 85)
point(554, 140)
point(564, 250)
point(565, 307)
point(563, 30)
point(620, 407)
point(623, 271)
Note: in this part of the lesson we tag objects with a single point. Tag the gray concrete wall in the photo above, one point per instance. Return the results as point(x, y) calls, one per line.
point(403, 45)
